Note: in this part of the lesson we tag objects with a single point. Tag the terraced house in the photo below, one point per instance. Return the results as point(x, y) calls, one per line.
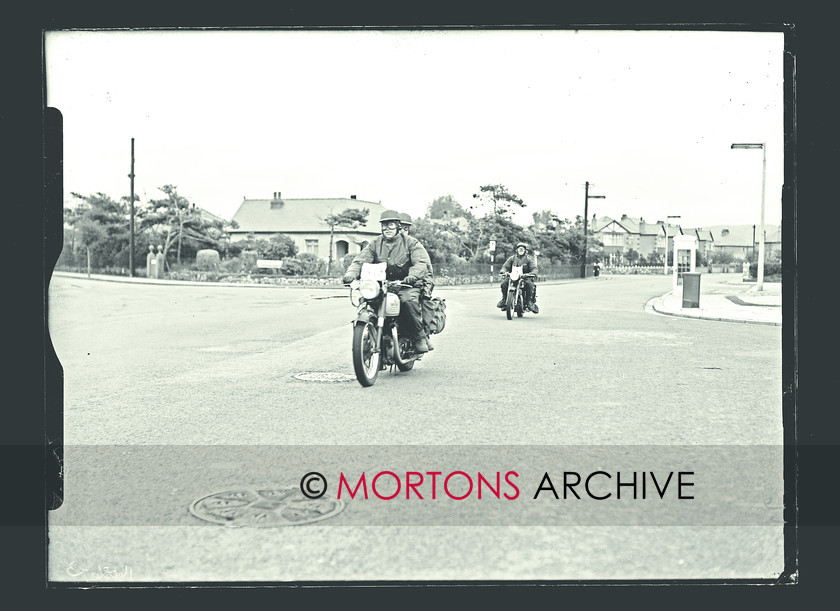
point(626, 239)
point(740, 241)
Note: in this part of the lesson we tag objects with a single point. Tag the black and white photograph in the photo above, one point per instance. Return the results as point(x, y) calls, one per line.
point(420, 305)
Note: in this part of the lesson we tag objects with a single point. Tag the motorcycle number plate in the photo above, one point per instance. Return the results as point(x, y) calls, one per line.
point(373, 271)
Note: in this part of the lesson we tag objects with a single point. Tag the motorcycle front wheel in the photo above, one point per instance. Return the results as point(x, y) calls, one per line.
point(510, 304)
point(366, 357)
point(520, 305)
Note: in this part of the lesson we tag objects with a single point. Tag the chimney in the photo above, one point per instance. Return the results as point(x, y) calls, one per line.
point(352, 197)
point(623, 217)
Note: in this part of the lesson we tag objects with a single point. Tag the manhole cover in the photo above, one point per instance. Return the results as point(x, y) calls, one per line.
point(324, 376)
point(263, 508)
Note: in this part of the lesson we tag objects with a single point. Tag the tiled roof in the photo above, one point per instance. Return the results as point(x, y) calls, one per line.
point(699, 233)
point(300, 215)
point(741, 235)
point(633, 225)
point(209, 216)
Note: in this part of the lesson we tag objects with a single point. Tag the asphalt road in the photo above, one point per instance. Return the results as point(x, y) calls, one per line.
point(173, 393)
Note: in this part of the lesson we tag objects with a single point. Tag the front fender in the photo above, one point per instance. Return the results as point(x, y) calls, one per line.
point(365, 314)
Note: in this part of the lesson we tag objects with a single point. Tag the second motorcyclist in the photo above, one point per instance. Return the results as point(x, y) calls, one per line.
point(529, 266)
point(427, 284)
point(408, 262)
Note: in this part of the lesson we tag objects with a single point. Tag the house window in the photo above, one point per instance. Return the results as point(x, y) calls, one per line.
point(312, 246)
point(613, 239)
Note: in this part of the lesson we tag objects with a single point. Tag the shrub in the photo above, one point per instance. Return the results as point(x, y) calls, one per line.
point(232, 266)
point(207, 260)
point(306, 264)
point(770, 269)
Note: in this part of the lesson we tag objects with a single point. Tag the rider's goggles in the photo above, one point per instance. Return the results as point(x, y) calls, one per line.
point(390, 225)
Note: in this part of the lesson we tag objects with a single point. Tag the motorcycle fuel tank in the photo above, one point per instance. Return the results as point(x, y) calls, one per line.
point(392, 304)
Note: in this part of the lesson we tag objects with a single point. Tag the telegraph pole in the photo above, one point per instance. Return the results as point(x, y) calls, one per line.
point(131, 218)
point(586, 225)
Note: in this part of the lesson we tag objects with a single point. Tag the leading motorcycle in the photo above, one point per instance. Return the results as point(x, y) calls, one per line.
point(377, 343)
point(515, 300)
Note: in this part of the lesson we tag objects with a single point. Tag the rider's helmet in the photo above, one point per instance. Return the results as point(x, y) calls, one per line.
point(405, 219)
point(391, 215)
point(523, 245)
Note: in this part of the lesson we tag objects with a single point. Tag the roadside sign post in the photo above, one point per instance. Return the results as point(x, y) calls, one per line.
point(492, 257)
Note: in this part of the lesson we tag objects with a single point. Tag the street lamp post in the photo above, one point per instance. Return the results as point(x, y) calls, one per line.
point(585, 226)
point(763, 147)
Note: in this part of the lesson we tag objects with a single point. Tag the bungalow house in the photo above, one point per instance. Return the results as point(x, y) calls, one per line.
point(303, 221)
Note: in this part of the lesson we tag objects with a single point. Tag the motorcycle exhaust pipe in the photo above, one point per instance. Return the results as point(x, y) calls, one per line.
point(396, 348)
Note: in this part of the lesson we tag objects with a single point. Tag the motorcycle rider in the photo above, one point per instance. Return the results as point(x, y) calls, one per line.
point(408, 262)
point(529, 266)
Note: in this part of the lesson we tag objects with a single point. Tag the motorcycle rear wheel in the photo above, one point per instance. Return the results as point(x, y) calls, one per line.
point(509, 305)
point(366, 358)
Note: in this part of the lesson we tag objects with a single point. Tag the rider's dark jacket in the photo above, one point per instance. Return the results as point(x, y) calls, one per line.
point(405, 256)
point(528, 263)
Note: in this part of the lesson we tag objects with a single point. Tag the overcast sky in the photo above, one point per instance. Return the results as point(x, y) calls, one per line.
point(403, 117)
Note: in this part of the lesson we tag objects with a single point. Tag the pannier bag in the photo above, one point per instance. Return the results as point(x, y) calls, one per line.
point(434, 314)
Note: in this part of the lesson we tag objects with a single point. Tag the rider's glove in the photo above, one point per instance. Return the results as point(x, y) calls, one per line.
point(348, 279)
point(410, 280)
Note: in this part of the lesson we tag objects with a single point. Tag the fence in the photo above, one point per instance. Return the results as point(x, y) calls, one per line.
point(623, 270)
point(444, 276)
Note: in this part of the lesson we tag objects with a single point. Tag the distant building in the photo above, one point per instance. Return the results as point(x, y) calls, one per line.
point(650, 239)
point(303, 221)
point(741, 240)
point(619, 236)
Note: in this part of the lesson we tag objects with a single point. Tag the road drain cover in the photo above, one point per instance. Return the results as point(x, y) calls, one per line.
point(264, 508)
point(324, 376)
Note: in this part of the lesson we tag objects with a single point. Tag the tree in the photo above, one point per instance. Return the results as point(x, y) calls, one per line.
point(277, 247)
point(446, 207)
point(181, 223)
point(569, 238)
point(723, 257)
point(499, 197)
point(103, 224)
point(475, 245)
point(441, 240)
point(91, 234)
point(544, 219)
point(349, 218)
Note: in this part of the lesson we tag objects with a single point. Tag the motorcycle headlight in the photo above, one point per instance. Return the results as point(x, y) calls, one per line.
point(369, 288)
